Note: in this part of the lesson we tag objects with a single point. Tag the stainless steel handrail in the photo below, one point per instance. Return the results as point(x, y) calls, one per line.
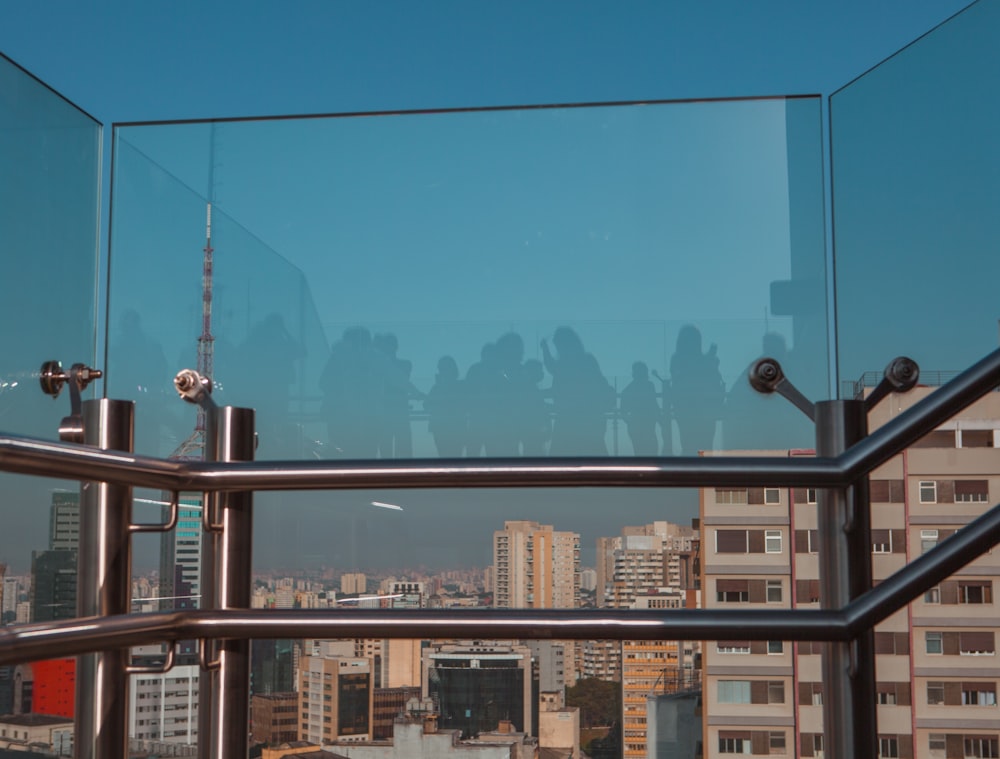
point(45, 458)
point(43, 640)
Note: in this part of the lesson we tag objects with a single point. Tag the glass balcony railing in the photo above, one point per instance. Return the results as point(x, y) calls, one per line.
point(506, 440)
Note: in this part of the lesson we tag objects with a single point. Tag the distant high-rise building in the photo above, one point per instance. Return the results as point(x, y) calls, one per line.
point(180, 558)
point(353, 583)
point(535, 566)
point(401, 661)
point(64, 520)
point(53, 585)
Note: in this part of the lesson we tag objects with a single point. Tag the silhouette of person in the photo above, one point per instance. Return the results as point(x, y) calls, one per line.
point(641, 411)
point(446, 408)
point(351, 383)
point(581, 397)
point(480, 385)
point(395, 436)
point(534, 423)
point(264, 373)
point(697, 392)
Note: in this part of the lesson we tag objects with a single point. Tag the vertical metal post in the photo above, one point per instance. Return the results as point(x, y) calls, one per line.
point(224, 694)
point(104, 577)
point(849, 715)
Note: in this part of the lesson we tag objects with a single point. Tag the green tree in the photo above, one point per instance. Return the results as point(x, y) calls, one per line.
point(599, 701)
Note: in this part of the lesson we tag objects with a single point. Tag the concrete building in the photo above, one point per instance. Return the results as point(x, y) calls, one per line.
point(35, 732)
point(353, 583)
point(558, 725)
point(643, 569)
point(180, 557)
point(336, 699)
point(163, 708)
point(935, 660)
point(401, 662)
point(536, 567)
point(274, 717)
point(64, 520)
point(389, 704)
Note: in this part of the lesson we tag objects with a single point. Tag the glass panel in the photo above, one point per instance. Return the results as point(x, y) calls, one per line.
point(49, 184)
point(916, 185)
point(574, 281)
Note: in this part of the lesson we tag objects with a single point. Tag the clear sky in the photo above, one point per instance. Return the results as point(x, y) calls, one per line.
point(126, 61)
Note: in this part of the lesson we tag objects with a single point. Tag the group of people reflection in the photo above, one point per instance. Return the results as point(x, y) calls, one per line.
point(506, 405)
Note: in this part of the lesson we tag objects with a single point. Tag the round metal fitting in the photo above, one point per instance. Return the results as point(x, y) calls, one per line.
point(52, 378)
point(902, 374)
point(766, 375)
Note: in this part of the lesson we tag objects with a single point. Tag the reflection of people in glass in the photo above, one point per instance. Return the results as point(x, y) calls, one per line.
point(395, 437)
point(262, 378)
point(480, 381)
point(581, 397)
point(641, 411)
point(352, 394)
point(445, 406)
point(533, 411)
point(696, 391)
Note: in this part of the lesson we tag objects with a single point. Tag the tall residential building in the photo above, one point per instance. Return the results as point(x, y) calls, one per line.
point(274, 717)
point(53, 585)
point(353, 583)
point(163, 707)
point(336, 699)
point(535, 567)
point(642, 569)
point(935, 660)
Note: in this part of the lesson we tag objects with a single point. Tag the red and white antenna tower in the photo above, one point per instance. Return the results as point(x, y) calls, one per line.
point(194, 447)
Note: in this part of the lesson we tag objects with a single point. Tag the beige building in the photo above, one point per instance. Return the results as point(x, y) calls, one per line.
point(336, 699)
point(353, 583)
point(643, 568)
point(936, 664)
point(535, 567)
point(400, 662)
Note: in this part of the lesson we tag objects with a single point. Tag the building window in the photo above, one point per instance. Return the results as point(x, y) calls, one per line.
point(730, 496)
point(888, 747)
point(972, 491)
point(975, 592)
point(928, 540)
point(733, 646)
point(928, 491)
point(772, 541)
point(774, 591)
point(772, 496)
point(933, 596)
point(734, 745)
point(734, 691)
point(775, 647)
point(937, 745)
point(775, 692)
point(981, 745)
point(776, 742)
point(934, 643)
point(979, 694)
point(935, 693)
point(811, 495)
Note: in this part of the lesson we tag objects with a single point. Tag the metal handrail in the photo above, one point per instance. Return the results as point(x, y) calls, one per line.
point(79, 636)
point(46, 458)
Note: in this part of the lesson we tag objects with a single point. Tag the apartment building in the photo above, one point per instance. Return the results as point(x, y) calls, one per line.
point(336, 699)
point(936, 665)
point(535, 566)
